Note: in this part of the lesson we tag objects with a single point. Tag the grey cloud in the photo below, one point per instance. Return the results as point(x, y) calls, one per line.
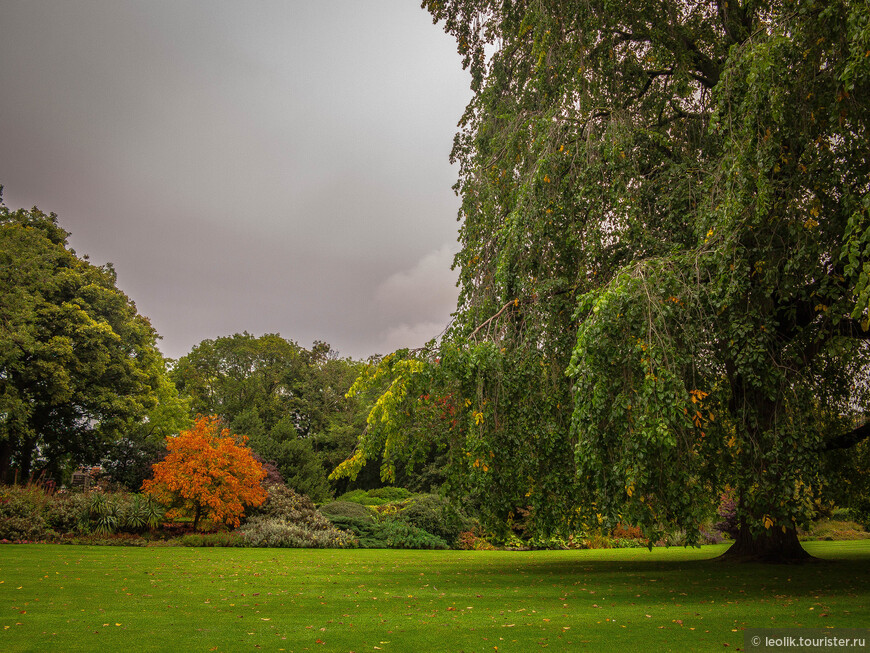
point(269, 166)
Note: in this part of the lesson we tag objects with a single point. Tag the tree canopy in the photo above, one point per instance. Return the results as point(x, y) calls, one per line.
point(287, 399)
point(78, 364)
point(208, 472)
point(665, 229)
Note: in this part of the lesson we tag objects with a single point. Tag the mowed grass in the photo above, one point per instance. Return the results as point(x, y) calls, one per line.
point(78, 598)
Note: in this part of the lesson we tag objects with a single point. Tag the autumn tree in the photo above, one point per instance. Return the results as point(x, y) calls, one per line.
point(208, 472)
point(78, 365)
point(663, 271)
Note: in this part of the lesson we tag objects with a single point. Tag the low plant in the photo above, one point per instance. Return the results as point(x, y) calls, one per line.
point(290, 520)
point(376, 497)
point(368, 533)
point(437, 516)
point(21, 512)
point(264, 531)
point(400, 535)
point(474, 540)
point(833, 529)
point(67, 512)
point(346, 509)
point(221, 538)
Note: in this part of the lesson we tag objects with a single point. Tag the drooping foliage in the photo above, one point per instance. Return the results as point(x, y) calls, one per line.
point(78, 364)
point(208, 472)
point(663, 272)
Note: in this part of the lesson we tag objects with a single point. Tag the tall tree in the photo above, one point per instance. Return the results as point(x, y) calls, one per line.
point(664, 260)
point(78, 364)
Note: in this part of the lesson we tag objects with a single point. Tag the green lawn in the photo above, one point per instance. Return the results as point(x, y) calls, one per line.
point(65, 598)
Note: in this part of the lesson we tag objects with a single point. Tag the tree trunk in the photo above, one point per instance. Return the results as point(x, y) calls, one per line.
point(771, 546)
point(5, 460)
point(196, 516)
point(28, 446)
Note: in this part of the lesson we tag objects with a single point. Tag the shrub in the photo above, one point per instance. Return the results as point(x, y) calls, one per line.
point(391, 494)
point(861, 511)
point(96, 539)
point(288, 519)
point(369, 534)
point(103, 513)
point(473, 540)
point(67, 513)
point(211, 539)
point(282, 502)
point(435, 515)
point(830, 529)
point(597, 541)
point(377, 497)
point(400, 535)
point(21, 512)
point(139, 513)
point(711, 536)
point(339, 509)
point(264, 531)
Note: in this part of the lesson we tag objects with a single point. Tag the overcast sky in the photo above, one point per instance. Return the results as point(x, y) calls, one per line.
point(270, 166)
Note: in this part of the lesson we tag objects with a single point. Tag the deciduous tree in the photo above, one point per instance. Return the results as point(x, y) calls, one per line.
point(78, 364)
point(208, 472)
point(664, 262)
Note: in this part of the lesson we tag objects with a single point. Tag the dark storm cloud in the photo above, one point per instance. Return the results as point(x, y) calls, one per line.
point(268, 166)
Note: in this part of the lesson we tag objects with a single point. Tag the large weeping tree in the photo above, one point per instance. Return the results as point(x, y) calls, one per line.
point(665, 226)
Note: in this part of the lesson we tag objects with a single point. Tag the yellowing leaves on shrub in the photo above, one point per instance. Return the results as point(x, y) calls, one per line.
point(208, 472)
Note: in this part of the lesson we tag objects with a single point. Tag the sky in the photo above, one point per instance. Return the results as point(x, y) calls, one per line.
point(269, 166)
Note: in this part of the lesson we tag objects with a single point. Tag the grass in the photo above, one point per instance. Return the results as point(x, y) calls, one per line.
point(79, 598)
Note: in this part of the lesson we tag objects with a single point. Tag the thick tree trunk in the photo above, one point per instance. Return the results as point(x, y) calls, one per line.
point(196, 516)
point(771, 546)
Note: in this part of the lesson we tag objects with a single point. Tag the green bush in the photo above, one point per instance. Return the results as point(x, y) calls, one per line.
point(30, 513)
point(211, 539)
point(67, 513)
point(263, 531)
point(95, 539)
point(400, 535)
point(435, 515)
point(377, 497)
point(21, 512)
point(346, 509)
point(391, 493)
point(140, 512)
point(369, 534)
point(121, 513)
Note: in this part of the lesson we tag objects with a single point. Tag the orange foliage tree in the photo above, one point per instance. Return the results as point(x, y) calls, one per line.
point(208, 472)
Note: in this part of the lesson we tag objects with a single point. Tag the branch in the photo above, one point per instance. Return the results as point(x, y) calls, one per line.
point(849, 439)
point(513, 302)
point(516, 302)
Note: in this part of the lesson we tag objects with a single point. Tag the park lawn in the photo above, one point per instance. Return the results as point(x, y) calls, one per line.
point(82, 598)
